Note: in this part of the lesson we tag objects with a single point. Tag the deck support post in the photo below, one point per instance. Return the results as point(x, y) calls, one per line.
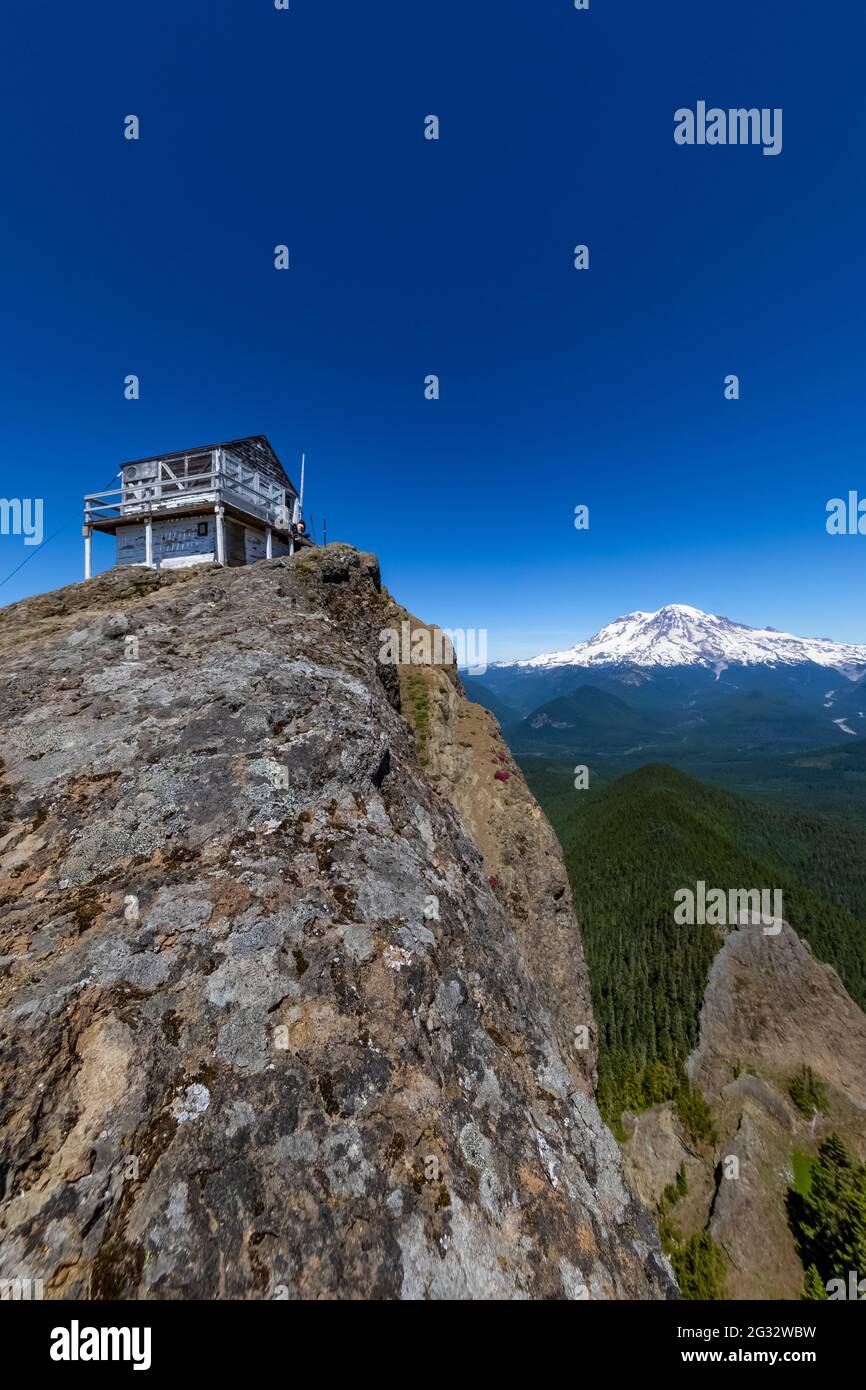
point(269, 549)
point(219, 512)
point(148, 541)
point(88, 552)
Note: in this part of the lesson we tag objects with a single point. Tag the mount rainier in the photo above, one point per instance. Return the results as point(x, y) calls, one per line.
point(678, 635)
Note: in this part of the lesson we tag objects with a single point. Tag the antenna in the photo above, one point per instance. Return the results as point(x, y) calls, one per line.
point(301, 498)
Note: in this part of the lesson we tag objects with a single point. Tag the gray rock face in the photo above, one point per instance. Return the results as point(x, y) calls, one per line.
point(266, 1028)
point(769, 1003)
point(655, 1151)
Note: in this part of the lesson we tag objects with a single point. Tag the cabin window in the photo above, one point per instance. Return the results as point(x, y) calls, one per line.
point(202, 528)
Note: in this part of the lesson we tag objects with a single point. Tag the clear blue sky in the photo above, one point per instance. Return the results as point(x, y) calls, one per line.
point(412, 257)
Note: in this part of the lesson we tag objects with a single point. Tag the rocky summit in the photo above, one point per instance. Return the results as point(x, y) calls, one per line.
point(292, 1001)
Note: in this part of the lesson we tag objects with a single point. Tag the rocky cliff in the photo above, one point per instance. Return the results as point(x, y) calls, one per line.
point(769, 1008)
point(292, 1000)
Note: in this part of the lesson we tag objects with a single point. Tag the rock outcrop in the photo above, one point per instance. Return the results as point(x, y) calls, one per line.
point(770, 1005)
point(272, 1022)
point(769, 1009)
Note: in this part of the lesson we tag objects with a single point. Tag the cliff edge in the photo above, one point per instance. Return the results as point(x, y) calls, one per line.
point(287, 1000)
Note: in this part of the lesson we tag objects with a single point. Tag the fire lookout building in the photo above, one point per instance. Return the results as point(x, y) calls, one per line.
point(231, 503)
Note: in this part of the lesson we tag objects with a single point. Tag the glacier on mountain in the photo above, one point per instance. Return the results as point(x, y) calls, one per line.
point(679, 635)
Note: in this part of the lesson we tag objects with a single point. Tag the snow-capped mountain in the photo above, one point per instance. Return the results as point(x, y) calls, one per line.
point(678, 635)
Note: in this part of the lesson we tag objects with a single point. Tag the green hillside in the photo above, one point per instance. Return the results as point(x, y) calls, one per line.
point(587, 712)
point(628, 846)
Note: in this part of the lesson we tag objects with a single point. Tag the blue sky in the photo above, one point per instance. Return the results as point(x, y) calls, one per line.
point(454, 257)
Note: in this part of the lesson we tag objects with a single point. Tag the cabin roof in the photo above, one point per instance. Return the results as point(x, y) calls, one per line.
point(255, 450)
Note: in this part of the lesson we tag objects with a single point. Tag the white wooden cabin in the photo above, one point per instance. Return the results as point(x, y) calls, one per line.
point(230, 503)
